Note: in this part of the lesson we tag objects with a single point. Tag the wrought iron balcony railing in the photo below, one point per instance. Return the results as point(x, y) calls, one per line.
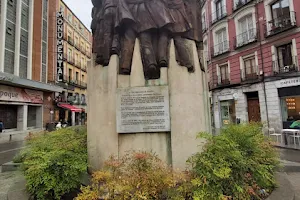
point(245, 38)
point(280, 68)
point(280, 24)
point(237, 4)
point(223, 82)
point(218, 15)
point(250, 73)
point(220, 48)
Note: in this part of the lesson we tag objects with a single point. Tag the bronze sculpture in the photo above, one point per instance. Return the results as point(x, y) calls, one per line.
point(117, 23)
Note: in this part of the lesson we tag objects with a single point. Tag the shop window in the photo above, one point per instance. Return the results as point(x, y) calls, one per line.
point(228, 114)
point(290, 109)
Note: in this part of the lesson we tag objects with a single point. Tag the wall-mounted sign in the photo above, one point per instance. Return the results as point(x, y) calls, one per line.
point(60, 46)
point(8, 93)
point(288, 82)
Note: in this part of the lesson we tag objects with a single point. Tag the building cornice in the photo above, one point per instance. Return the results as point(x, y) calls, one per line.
point(9, 79)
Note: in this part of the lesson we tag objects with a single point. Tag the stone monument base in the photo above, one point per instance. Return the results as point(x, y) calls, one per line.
point(188, 110)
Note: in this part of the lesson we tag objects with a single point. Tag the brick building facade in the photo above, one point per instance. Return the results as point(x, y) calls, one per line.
point(25, 95)
point(251, 51)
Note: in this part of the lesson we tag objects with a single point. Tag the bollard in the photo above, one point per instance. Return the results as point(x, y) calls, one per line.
point(10, 137)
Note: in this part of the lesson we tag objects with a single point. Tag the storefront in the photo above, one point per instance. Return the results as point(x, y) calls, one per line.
point(290, 105)
point(237, 105)
point(283, 97)
point(21, 109)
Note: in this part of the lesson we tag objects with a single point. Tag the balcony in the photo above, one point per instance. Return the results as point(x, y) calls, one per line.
point(88, 54)
point(237, 4)
point(280, 24)
point(70, 41)
point(65, 57)
point(78, 65)
point(218, 15)
point(77, 46)
point(79, 84)
point(280, 68)
point(250, 74)
point(245, 38)
point(220, 48)
point(71, 61)
point(224, 82)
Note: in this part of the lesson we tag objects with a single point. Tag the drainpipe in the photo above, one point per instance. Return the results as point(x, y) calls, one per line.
point(262, 63)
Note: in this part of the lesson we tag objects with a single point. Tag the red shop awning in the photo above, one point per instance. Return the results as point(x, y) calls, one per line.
point(69, 107)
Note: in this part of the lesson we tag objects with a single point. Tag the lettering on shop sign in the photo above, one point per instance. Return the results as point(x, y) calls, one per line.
point(143, 109)
point(8, 94)
point(60, 46)
point(290, 82)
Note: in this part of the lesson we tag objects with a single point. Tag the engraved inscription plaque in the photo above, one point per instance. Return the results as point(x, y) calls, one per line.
point(143, 109)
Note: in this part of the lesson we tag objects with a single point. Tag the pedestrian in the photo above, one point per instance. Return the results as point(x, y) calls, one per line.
point(1, 126)
point(58, 126)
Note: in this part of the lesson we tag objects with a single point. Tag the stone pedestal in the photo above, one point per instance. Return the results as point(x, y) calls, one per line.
point(189, 111)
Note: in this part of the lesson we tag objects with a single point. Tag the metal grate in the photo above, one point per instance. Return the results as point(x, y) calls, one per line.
point(9, 62)
point(10, 36)
point(11, 10)
point(24, 43)
point(24, 16)
point(23, 67)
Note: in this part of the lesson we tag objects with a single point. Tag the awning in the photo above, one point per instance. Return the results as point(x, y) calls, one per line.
point(69, 107)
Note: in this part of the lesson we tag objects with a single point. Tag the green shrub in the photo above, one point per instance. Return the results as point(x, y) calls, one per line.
point(236, 164)
point(54, 162)
point(140, 175)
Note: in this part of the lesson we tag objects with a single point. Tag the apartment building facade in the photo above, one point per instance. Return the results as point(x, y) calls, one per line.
point(70, 47)
point(251, 52)
point(25, 96)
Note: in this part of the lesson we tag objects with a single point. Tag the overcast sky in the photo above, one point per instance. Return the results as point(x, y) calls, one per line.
point(82, 9)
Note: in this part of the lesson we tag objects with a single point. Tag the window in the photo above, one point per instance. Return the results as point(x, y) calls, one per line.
point(83, 100)
point(290, 109)
point(247, 32)
point(70, 75)
point(285, 58)
point(70, 17)
point(70, 54)
point(76, 59)
point(77, 76)
point(250, 70)
point(282, 17)
point(280, 8)
point(61, 8)
point(221, 43)
point(224, 74)
point(228, 113)
point(76, 41)
point(220, 9)
point(82, 61)
point(82, 78)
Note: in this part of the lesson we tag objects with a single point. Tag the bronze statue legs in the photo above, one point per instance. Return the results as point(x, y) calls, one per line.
point(127, 47)
point(163, 48)
point(105, 36)
point(151, 70)
point(184, 55)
